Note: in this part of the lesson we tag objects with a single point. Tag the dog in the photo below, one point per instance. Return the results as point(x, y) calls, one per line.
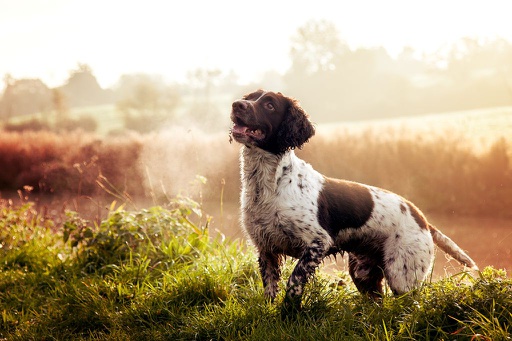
point(289, 209)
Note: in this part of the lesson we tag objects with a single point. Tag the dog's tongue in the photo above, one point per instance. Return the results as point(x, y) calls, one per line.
point(244, 130)
point(238, 129)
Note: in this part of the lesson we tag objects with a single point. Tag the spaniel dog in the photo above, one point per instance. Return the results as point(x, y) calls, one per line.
point(289, 209)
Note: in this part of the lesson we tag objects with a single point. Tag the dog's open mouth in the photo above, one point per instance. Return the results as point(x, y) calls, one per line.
point(240, 131)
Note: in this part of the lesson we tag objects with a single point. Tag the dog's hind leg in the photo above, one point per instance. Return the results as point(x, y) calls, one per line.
point(367, 275)
point(407, 262)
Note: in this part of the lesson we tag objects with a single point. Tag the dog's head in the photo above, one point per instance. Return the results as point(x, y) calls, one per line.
point(270, 121)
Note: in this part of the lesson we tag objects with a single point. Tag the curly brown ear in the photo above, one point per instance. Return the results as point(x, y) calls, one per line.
point(295, 129)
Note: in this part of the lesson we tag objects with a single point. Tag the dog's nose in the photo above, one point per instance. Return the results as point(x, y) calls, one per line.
point(240, 105)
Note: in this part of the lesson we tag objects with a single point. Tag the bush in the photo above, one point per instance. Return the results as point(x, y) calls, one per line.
point(85, 122)
point(69, 163)
point(32, 125)
point(157, 237)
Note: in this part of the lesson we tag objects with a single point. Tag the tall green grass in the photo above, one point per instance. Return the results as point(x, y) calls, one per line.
point(152, 274)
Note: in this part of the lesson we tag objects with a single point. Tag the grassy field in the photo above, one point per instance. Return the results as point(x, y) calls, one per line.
point(152, 274)
point(110, 120)
point(107, 117)
point(165, 273)
point(477, 128)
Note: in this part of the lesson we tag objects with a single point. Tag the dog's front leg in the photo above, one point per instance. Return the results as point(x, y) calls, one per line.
point(304, 269)
point(270, 272)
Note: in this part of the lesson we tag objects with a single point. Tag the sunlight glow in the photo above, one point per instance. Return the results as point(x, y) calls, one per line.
point(47, 39)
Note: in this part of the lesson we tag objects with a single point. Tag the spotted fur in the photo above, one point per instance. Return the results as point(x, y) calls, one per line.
point(289, 209)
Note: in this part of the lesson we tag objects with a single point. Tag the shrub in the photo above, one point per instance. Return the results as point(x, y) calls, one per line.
point(69, 163)
point(84, 122)
point(33, 124)
point(157, 237)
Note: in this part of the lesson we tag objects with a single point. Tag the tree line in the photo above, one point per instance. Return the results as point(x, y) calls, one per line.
point(341, 83)
point(331, 79)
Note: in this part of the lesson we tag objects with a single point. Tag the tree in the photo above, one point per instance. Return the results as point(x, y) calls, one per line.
point(202, 110)
point(338, 83)
point(316, 46)
point(83, 89)
point(63, 120)
point(146, 103)
point(60, 105)
point(479, 74)
point(24, 97)
point(315, 51)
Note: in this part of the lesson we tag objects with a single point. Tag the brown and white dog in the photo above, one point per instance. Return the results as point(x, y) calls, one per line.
point(288, 208)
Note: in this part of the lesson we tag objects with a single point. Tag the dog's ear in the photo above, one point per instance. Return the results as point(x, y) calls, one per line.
point(295, 129)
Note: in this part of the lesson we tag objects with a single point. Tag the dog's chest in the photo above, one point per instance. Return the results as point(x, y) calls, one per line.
point(280, 203)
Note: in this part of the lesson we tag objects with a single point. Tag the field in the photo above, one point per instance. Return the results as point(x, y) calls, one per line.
point(110, 121)
point(477, 128)
point(140, 260)
point(152, 274)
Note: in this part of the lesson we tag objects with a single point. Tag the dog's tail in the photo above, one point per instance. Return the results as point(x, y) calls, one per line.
point(449, 246)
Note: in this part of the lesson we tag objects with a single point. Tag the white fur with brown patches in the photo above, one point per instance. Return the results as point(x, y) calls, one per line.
point(408, 249)
point(273, 203)
point(288, 208)
point(279, 210)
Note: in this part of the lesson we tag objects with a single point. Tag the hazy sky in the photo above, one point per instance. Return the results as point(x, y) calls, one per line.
point(47, 38)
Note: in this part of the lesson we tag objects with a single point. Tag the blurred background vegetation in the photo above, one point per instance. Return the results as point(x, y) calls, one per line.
point(145, 139)
point(333, 82)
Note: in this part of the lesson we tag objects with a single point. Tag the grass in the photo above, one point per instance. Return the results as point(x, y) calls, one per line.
point(152, 274)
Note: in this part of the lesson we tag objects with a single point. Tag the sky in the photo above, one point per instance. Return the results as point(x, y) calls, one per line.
point(48, 38)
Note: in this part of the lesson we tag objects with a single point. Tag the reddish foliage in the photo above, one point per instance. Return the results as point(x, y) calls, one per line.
point(66, 163)
point(439, 174)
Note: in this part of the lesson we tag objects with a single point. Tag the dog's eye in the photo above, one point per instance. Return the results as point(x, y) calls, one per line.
point(270, 106)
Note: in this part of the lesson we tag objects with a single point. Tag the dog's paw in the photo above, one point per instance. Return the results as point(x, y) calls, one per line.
point(290, 308)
